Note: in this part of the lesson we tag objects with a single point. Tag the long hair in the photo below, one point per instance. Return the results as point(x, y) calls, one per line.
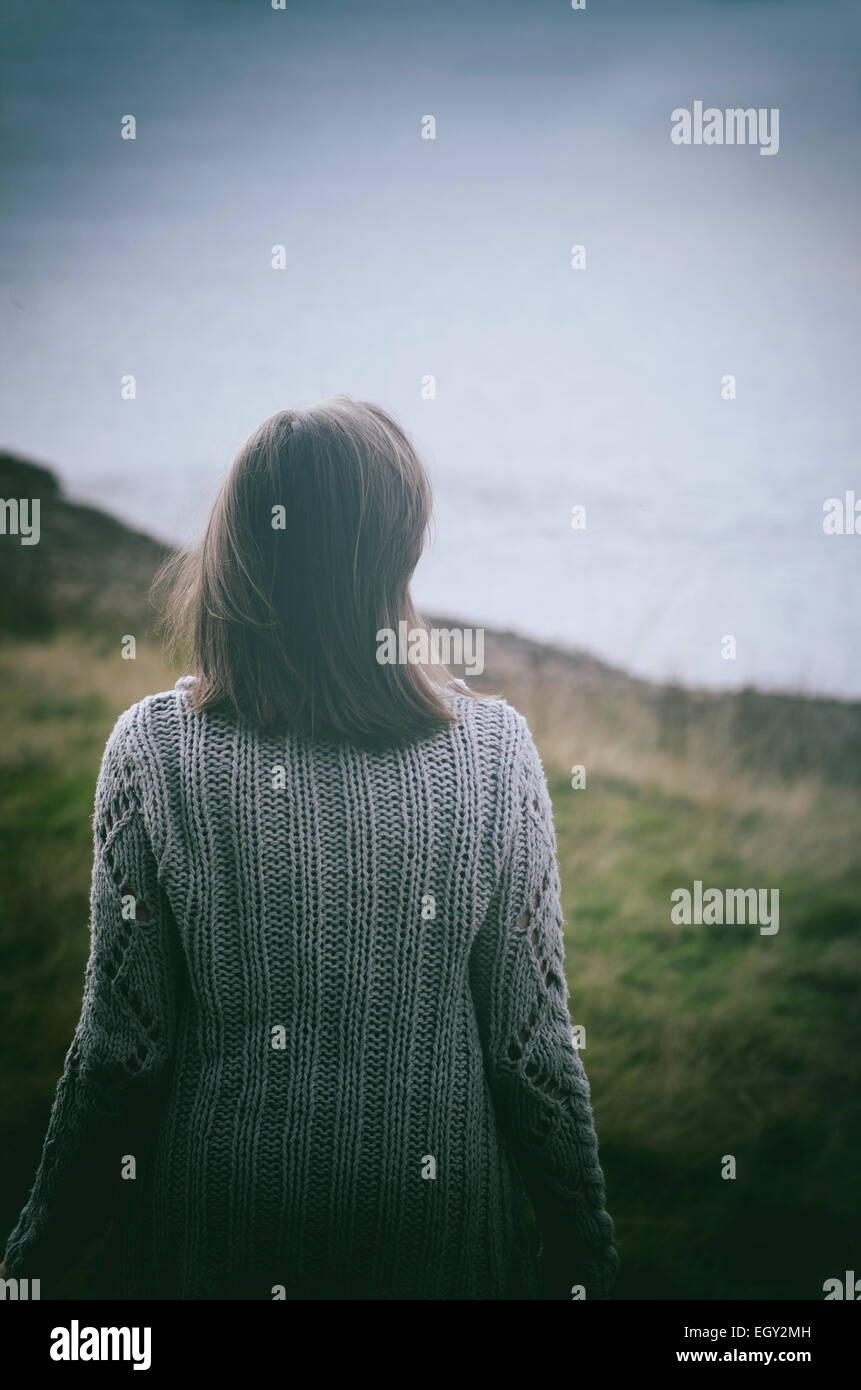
point(308, 554)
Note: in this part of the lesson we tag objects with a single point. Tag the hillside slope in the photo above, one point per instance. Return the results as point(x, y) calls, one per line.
point(87, 568)
point(90, 572)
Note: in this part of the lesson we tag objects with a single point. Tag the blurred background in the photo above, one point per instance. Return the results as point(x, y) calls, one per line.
point(435, 277)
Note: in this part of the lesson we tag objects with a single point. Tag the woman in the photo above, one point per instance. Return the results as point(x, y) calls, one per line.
point(325, 1049)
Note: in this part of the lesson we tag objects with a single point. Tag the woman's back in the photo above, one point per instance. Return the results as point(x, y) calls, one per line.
point(328, 1055)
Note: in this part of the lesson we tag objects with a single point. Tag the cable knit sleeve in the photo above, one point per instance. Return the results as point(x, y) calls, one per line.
point(123, 1041)
point(536, 1077)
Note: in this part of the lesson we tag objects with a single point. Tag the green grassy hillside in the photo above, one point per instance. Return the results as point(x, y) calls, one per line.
point(700, 1041)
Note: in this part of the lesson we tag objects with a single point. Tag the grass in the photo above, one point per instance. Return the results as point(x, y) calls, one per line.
point(700, 1041)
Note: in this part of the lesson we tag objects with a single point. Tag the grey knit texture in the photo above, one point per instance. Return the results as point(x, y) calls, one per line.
point(251, 890)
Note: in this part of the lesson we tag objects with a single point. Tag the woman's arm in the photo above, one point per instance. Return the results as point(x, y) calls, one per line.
point(536, 1077)
point(124, 1039)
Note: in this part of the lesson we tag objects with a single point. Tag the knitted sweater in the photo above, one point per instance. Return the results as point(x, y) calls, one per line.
point(325, 1042)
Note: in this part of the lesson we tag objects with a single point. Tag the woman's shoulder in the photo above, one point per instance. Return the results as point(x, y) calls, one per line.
point(489, 721)
point(493, 729)
point(499, 752)
point(144, 723)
